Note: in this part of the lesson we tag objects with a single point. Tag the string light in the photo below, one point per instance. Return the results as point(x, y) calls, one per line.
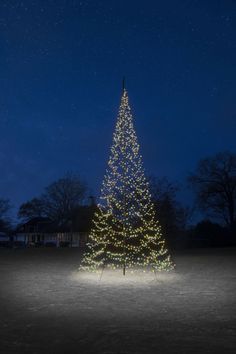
point(125, 232)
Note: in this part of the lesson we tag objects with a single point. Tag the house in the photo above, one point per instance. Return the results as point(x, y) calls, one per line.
point(4, 239)
point(41, 231)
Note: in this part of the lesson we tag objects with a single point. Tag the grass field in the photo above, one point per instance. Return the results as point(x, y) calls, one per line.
point(46, 307)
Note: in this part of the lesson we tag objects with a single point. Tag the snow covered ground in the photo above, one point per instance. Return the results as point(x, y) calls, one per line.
point(47, 307)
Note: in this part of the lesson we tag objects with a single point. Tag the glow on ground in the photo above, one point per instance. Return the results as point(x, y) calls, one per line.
point(132, 277)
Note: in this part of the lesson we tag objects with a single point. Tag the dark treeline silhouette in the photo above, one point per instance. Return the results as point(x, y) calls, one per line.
point(67, 204)
point(207, 233)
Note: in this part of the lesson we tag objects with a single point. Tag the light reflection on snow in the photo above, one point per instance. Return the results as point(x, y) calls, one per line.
point(137, 278)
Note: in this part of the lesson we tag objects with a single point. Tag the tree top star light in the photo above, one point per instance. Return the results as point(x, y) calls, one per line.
point(125, 232)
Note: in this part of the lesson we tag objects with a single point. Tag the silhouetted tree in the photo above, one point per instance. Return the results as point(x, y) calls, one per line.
point(5, 207)
point(32, 209)
point(215, 185)
point(58, 201)
point(62, 197)
point(173, 216)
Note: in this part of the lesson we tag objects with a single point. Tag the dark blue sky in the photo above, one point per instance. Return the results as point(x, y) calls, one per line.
point(61, 66)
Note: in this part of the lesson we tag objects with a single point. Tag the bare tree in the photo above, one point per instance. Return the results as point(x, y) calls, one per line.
point(173, 216)
point(5, 206)
point(58, 201)
point(214, 182)
point(31, 209)
point(62, 197)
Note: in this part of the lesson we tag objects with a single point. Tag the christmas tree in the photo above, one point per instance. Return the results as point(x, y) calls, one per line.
point(125, 232)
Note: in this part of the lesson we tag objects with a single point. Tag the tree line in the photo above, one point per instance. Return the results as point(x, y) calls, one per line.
point(213, 183)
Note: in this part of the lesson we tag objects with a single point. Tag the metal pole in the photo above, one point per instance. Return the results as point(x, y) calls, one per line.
point(124, 265)
point(102, 273)
point(124, 253)
point(124, 268)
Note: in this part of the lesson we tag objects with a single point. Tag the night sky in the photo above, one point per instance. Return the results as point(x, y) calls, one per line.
point(61, 67)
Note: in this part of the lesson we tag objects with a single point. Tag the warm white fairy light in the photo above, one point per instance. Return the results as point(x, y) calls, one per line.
point(125, 232)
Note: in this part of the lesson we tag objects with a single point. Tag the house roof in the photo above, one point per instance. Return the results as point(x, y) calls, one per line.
point(81, 221)
point(39, 224)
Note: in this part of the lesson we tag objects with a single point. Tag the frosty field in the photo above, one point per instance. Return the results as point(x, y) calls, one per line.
point(46, 307)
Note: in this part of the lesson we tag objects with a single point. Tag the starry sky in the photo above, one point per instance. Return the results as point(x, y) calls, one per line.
point(61, 67)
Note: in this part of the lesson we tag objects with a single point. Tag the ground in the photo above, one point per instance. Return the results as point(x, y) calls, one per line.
point(47, 307)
